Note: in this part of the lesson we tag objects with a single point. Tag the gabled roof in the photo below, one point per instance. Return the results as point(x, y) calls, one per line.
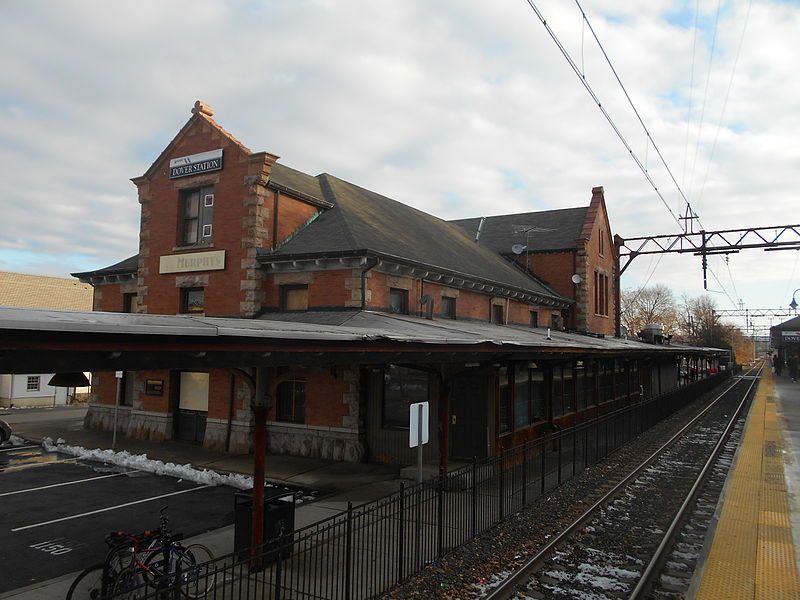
point(501, 232)
point(362, 220)
point(296, 183)
point(124, 267)
point(21, 290)
point(201, 114)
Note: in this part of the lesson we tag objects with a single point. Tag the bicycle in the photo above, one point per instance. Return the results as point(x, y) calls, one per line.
point(164, 567)
point(94, 582)
point(151, 559)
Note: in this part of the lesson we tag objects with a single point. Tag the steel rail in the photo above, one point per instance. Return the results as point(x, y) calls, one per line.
point(655, 563)
point(507, 587)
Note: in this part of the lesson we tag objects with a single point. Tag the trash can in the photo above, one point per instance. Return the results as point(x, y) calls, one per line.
point(278, 525)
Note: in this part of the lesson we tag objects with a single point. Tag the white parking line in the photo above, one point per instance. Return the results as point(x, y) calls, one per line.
point(54, 485)
point(18, 448)
point(42, 464)
point(101, 510)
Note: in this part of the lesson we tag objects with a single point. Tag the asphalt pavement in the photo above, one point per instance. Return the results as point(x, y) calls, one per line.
point(56, 511)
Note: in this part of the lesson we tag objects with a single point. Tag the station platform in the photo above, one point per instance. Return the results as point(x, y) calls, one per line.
point(753, 553)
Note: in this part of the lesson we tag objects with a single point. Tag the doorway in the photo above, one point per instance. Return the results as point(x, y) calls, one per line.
point(468, 416)
point(191, 406)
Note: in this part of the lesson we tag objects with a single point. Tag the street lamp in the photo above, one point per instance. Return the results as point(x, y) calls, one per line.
point(793, 303)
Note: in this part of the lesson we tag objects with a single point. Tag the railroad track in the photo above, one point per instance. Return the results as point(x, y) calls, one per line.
point(644, 535)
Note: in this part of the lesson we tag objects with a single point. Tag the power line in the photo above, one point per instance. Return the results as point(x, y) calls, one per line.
point(594, 96)
point(705, 95)
point(630, 101)
point(725, 102)
point(691, 91)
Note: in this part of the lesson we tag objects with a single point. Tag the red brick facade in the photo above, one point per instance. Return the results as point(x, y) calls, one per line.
point(248, 216)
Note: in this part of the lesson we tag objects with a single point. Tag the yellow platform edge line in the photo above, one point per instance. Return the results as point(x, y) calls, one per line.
point(752, 555)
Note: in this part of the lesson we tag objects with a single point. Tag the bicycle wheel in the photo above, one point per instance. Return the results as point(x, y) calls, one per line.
point(128, 585)
point(197, 575)
point(88, 585)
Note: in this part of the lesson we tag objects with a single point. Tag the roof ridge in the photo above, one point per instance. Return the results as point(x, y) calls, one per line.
point(327, 189)
point(531, 212)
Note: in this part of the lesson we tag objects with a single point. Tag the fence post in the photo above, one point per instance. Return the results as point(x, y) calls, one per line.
point(401, 542)
point(501, 488)
point(474, 496)
point(543, 446)
point(524, 474)
point(348, 575)
point(574, 450)
point(560, 437)
point(278, 573)
point(440, 517)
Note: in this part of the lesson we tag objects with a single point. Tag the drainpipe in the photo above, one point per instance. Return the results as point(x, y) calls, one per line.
point(371, 264)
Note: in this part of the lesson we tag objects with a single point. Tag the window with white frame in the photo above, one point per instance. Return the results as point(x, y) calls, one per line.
point(33, 383)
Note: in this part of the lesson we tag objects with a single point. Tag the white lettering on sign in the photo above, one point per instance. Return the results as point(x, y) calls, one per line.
point(197, 261)
point(195, 163)
point(57, 546)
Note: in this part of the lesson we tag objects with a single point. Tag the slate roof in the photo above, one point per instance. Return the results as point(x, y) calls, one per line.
point(123, 267)
point(292, 180)
point(362, 220)
point(503, 231)
point(20, 290)
point(364, 326)
point(792, 324)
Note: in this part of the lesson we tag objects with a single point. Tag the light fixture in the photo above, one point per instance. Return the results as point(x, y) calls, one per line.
point(793, 303)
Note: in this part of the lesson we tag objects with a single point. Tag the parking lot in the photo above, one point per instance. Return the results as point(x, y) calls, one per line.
point(55, 511)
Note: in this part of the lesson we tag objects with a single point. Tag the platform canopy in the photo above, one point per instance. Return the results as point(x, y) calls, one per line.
point(53, 341)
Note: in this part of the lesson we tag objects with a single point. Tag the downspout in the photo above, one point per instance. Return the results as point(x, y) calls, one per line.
point(275, 220)
point(230, 415)
point(371, 264)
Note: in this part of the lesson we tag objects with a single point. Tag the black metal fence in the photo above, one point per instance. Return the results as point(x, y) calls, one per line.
point(366, 550)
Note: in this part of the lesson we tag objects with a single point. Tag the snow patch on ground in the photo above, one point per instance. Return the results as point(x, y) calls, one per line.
point(484, 585)
point(140, 462)
point(13, 441)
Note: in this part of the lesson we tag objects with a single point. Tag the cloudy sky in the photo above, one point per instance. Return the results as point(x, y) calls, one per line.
point(460, 108)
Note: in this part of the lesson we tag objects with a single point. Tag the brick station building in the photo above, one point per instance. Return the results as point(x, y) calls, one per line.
point(227, 232)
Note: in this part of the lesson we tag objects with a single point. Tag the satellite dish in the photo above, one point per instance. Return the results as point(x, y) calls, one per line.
point(518, 248)
point(576, 279)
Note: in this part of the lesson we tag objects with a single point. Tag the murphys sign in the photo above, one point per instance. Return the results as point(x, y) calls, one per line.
point(196, 163)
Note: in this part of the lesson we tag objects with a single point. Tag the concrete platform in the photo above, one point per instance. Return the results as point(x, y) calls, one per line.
point(753, 552)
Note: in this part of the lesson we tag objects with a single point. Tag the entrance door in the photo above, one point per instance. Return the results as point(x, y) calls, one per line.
point(190, 422)
point(468, 416)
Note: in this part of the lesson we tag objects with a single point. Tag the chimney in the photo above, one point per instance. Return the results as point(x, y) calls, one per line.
point(202, 108)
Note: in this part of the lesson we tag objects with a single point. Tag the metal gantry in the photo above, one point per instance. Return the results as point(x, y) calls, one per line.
point(703, 243)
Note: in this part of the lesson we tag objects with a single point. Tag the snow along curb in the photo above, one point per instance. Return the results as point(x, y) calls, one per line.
point(140, 462)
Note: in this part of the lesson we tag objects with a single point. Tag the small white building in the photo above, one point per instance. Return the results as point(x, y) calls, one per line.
point(21, 290)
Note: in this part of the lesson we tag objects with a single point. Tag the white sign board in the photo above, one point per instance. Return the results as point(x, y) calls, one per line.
point(195, 261)
point(418, 432)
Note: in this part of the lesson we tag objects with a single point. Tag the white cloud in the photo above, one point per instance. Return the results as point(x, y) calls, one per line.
point(458, 108)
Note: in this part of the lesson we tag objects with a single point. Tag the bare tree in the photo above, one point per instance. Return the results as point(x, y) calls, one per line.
point(654, 304)
point(702, 326)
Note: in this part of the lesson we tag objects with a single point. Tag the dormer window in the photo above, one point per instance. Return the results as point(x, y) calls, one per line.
point(197, 213)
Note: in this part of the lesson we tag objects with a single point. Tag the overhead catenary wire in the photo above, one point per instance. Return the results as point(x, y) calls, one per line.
point(579, 73)
point(691, 92)
point(705, 96)
point(596, 99)
point(633, 106)
point(725, 101)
